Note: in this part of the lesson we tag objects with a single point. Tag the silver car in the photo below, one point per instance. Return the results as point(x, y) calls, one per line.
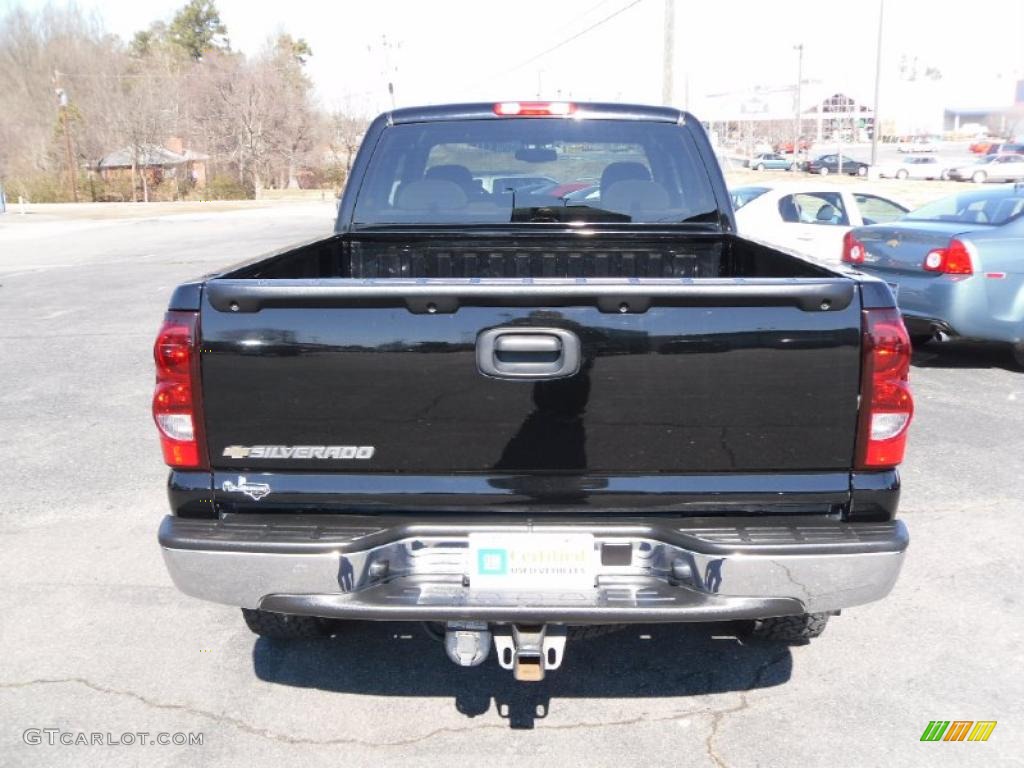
point(957, 265)
point(991, 168)
point(915, 168)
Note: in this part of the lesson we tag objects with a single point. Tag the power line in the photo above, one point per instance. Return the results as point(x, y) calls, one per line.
point(562, 44)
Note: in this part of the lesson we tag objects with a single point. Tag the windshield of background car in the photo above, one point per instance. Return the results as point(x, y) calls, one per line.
point(471, 171)
point(982, 207)
point(743, 195)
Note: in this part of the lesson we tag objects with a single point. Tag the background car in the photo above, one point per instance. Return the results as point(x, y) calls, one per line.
point(560, 190)
point(518, 181)
point(1004, 148)
point(916, 144)
point(806, 217)
point(826, 164)
point(982, 146)
point(929, 167)
point(991, 168)
point(588, 194)
point(770, 161)
point(786, 146)
point(956, 263)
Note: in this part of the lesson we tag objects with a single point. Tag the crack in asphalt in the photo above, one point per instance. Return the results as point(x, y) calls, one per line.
point(744, 703)
point(266, 733)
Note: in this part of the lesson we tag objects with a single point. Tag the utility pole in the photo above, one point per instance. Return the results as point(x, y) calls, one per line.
point(69, 156)
point(799, 92)
point(877, 124)
point(389, 71)
point(668, 54)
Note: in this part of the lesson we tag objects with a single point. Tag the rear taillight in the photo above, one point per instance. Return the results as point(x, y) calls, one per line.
point(534, 108)
point(954, 259)
point(853, 249)
point(886, 406)
point(177, 405)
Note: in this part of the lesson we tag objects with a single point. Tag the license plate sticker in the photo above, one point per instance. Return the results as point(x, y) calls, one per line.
point(534, 561)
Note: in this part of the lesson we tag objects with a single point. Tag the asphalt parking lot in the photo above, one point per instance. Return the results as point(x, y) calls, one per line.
point(94, 637)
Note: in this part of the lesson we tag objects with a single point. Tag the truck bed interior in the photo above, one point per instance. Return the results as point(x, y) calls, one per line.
point(431, 254)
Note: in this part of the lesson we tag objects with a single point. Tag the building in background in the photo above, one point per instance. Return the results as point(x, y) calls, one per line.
point(830, 112)
point(156, 163)
point(767, 114)
point(999, 114)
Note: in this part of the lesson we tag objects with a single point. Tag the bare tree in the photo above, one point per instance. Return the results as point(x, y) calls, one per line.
point(255, 117)
point(346, 134)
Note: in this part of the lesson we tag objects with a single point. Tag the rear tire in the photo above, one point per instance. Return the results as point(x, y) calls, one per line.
point(285, 626)
point(590, 631)
point(1017, 350)
point(759, 167)
point(789, 629)
point(944, 176)
point(901, 174)
point(862, 170)
point(823, 171)
point(920, 339)
point(979, 177)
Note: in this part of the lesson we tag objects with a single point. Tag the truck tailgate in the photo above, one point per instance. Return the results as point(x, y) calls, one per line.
point(674, 376)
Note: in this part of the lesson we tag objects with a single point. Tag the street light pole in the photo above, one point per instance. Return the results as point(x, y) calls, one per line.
point(877, 124)
point(799, 88)
point(69, 155)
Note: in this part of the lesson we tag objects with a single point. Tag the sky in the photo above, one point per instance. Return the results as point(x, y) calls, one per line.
point(459, 50)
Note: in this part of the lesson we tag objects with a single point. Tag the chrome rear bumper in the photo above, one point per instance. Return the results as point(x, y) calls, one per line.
point(661, 571)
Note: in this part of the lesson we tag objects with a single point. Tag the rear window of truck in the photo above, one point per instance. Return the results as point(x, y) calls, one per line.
point(534, 171)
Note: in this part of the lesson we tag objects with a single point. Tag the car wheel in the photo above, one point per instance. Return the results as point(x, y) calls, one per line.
point(759, 167)
point(284, 626)
point(793, 167)
point(901, 175)
point(823, 171)
point(862, 170)
point(979, 177)
point(796, 630)
point(1018, 354)
point(944, 175)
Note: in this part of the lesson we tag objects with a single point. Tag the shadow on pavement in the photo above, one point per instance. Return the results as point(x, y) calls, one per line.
point(964, 354)
point(390, 659)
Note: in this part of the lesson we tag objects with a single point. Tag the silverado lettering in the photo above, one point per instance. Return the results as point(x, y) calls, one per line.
point(299, 451)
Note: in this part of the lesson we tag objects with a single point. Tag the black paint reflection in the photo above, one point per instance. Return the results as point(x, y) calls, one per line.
point(552, 437)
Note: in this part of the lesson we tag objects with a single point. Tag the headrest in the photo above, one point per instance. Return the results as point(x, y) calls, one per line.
point(633, 195)
point(430, 195)
point(827, 212)
point(616, 172)
point(456, 173)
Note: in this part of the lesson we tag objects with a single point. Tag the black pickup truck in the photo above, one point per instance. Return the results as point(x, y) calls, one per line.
point(534, 381)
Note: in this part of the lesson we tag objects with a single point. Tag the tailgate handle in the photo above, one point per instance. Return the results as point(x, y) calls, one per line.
point(528, 353)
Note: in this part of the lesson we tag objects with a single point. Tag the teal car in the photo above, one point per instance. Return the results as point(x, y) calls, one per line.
point(770, 161)
point(958, 263)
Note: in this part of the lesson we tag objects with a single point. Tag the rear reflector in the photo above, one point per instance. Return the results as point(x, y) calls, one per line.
point(177, 404)
point(853, 250)
point(954, 259)
point(534, 108)
point(886, 404)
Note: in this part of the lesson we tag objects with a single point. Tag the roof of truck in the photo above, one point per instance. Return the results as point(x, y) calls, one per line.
point(579, 109)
